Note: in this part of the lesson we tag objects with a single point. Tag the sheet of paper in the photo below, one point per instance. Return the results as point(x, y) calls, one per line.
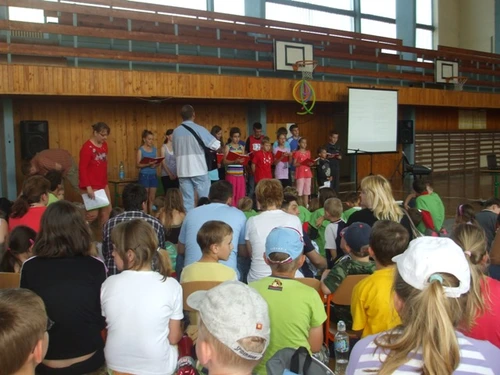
point(101, 200)
point(327, 184)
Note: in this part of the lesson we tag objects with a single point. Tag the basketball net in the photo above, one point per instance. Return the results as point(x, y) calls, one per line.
point(306, 67)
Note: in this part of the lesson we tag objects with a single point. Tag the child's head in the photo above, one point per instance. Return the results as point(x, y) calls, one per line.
point(415, 215)
point(313, 204)
point(216, 238)
point(147, 137)
point(115, 211)
point(173, 200)
point(322, 152)
point(324, 194)
point(284, 250)
point(419, 185)
point(23, 330)
point(333, 209)
point(302, 143)
point(290, 204)
point(135, 244)
point(291, 190)
point(388, 239)
point(333, 137)
point(234, 328)
point(55, 178)
point(352, 199)
point(431, 287)
point(202, 201)
point(266, 144)
point(234, 135)
point(493, 204)
point(465, 214)
point(19, 248)
point(356, 239)
point(245, 204)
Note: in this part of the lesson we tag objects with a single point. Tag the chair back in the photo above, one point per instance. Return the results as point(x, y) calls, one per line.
point(193, 286)
point(9, 280)
point(313, 283)
point(342, 296)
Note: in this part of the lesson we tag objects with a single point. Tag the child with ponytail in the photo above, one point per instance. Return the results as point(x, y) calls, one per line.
point(483, 300)
point(143, 308)
point(431, 288)
point(465, 215)
point(18, 249)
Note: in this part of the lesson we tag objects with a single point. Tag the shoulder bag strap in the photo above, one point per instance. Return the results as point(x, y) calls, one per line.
point(200, 142)
point(416, 232)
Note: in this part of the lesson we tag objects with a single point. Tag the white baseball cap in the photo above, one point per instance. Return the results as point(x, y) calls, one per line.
point(233, 311)
point(427, 256)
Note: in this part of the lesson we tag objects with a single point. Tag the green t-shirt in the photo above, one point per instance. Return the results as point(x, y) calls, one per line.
point(294, 308)
point(320, 240)
point(347, 213)
point(52, 199)
point(249, 214)
point(304, 214)
point(432, 203)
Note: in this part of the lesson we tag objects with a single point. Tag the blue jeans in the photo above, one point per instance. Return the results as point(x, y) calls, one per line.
point(188, 185)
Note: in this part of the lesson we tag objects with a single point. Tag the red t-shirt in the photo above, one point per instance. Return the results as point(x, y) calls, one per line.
point(302, 171)
point(93, 166)
point(31, 219)
point(487, 326)
point(263, 161)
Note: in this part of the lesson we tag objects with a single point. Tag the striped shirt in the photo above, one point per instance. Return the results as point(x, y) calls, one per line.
point(476, 357)
point(235, 169)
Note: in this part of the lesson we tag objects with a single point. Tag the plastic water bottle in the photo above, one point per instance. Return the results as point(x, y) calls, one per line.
point(121, 171)
point(341, 349)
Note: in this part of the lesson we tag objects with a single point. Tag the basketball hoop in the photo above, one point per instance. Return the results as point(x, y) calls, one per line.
point(306, 67)
point(458, 82)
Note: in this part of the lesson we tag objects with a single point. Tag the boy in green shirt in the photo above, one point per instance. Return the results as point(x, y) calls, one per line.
point(351, 200)
point(295, 309)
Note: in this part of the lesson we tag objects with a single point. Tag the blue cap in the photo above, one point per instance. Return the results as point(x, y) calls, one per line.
point(285, 240)
point(357, 235)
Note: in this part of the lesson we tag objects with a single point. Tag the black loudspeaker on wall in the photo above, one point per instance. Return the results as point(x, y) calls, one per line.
point(34, 138)
point(405, 132)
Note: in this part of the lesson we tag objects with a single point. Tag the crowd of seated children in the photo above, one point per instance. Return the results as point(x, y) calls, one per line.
point(142, 307)
point(245, 204)
point(431, 289)
point(296, 311)
point(269, 194)
point(215, 239)
point(317, 220)
point(465, 215)
point(372, 305)
point(355, 243)
point(487, 218)
point(333, 213)
point(19, 248)
point(24, 327)
point(234, 328)
point(314, 260)
point(484, 291)
point(56, 186)
point(29, 207)
point(351, 201)
point(68, 279)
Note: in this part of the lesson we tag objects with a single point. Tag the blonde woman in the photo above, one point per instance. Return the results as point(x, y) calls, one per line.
point(431, 288)
point(484, 294)
point(378, 203)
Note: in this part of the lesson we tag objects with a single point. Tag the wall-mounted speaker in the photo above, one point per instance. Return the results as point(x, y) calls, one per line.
point(405, 132)
point(34, 138)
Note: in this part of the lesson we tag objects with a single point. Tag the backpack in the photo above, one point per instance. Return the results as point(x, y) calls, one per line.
point(289, 361)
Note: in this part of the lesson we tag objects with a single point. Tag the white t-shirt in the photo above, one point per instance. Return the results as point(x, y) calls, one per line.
point(257, 229)
point(138, 307)
point(331, 236)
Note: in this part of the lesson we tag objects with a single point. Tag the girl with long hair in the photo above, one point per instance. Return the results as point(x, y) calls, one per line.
point(172, 214)
point(18, 250)
point(484, 292)
point(31, 204)
point(68, 279)
point(465, 215)
point(303, 172)
point(169, 177)
point(431, 288)
point(235, 168)
point(147, 173)
point(93, 170)
point(151, 300)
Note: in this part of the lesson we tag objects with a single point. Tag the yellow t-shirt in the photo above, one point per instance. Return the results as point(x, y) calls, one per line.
point(205, 271)
point(372, 306)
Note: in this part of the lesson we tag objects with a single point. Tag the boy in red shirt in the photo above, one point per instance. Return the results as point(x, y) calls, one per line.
point(262, 161)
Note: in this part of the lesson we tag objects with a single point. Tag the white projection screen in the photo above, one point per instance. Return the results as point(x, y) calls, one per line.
point(372, 121)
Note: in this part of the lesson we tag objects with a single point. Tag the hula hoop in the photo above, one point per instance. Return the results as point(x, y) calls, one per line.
point(303, 93)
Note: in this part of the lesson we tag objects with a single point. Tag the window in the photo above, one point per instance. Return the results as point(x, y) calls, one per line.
point(338, 4)
point(382, 8)
point(26, 15)
point(378, 28)
point(192, 4)
point(424, 12)
point(231, 7)
point(279, 12)
point(424, 39)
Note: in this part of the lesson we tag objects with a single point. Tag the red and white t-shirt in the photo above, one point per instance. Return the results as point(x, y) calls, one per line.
point(93, 165)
